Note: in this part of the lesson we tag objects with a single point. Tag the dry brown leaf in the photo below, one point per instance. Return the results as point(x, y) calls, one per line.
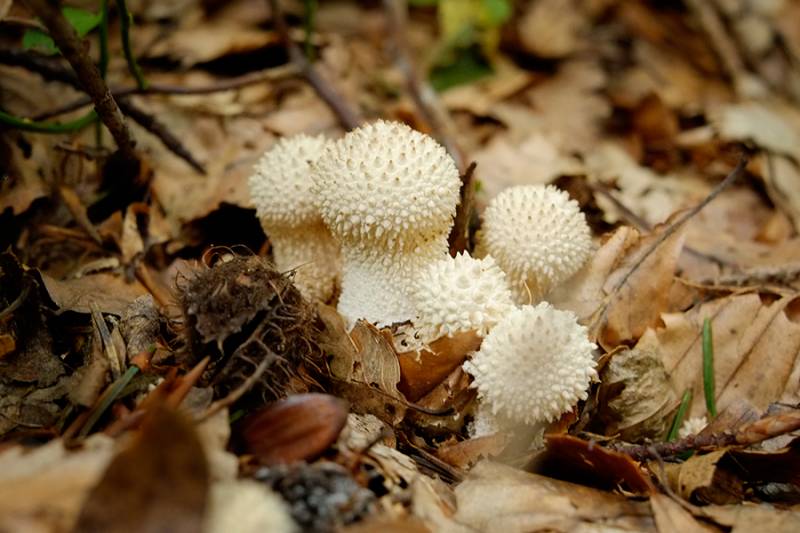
point(639, 292)
point(535, 159)
point(109, 292)
point(747, 332)
point(754, 517)
point(773, 126)
point(583, 294)
point(569, 107)
point(42, 489)
point(159, 482)
point(364, 365)
point(552, 28)
point(422, 372)
point(22, 183)
point(568, 457)
point(500, 499)
point(671, 517)
point(635, 396)
point(466, 453)
point(650, 196)
point(699, 480)
point(209, 41)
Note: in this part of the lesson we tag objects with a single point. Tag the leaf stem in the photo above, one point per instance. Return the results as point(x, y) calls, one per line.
point(125, 29)
point(47, 127)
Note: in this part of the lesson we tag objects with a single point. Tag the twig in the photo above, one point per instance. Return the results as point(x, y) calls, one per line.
point(74, 50)
point(421, 91)
point(348, 116)
point(459, 235)
point(51, 71)
point(125, 31)
point(753, 433)
point(240, 391)
point(154, 126)
point(735, 174)
point(722, 44)
point(284, 71)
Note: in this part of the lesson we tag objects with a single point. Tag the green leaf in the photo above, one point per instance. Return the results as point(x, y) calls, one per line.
point(680, 415)
point(466, 67)
point(496, 11)
point(83, 21)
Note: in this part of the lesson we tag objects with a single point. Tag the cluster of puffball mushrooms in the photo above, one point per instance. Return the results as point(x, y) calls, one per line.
point(368, 215)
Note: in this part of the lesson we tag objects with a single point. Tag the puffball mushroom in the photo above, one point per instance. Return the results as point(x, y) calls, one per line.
point(461, 293)
point(286, 207)
point(534, 365)
point(538, 236)
point(388, 194)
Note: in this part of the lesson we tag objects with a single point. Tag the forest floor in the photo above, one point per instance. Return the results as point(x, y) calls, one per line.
point(134, 272)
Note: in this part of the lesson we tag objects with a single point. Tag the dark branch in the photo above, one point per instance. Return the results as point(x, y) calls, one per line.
point(348, 117)
point(75, 52)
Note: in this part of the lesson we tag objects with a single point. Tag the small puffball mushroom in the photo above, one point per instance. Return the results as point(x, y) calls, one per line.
point(538, 236)
point(389, 195)
point(286, 207)
point(534, 365)
point(461, 293)
point(692, 426)
point(247, 506)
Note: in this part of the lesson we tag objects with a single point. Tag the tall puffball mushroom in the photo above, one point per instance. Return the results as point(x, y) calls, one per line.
point(286, 207)
point(389, 195)
point(538, 236)
point(461, 293)
point(534, 365)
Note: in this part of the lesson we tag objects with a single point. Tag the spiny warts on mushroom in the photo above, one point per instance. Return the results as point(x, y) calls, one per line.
point(538, 236)
point(460, 293)
point(281, 191)
point(389, 195)
point(534, 365)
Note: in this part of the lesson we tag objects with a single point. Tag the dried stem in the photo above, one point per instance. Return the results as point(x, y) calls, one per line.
point(421, 91)
point(282, 72)
point(53, 72)
point(348, 117)
point(74, 50)
point(735, 174)
point(753, 433)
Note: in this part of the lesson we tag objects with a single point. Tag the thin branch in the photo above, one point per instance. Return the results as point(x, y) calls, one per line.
point(735, 174)
point(74, 50)
point(421, 91)
point(154, 126)
point(284, 71)
point(459, 234)
point(348, 117)
point(125, 31)
point(53, 72)
point(753, 433)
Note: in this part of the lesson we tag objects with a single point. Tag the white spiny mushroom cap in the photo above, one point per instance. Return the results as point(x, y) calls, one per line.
point(534, 365)
point(692, 426)
point(538, 236)
point(281, 191)
point(461, 293)
point(281, 184)
point(386, 183)
point(247, 506)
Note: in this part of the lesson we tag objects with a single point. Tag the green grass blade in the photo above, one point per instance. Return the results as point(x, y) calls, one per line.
point(709, 387)
point(677, 422)
point(25, 124)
